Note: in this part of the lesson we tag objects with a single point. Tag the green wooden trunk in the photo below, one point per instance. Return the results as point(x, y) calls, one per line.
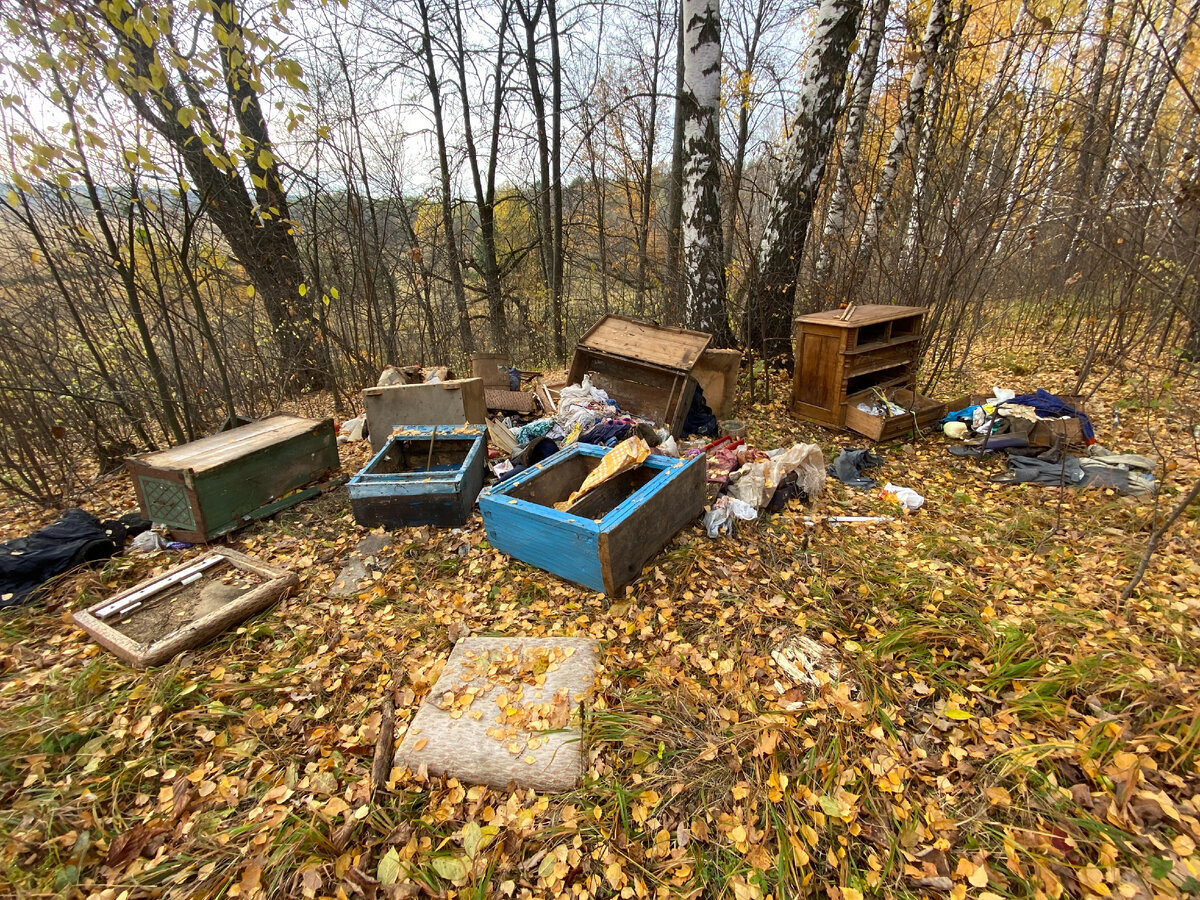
point(211, 486)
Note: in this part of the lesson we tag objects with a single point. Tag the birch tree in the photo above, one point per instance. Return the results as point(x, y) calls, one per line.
point(907, 127)
point(703, 251)
point(856, 120)
point(773, 288)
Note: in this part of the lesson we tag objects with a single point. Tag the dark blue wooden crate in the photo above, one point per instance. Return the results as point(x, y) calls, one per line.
point(402, 486)
point(606, 538)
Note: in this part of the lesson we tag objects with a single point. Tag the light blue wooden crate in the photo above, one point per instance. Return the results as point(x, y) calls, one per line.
point(608, 536)
point(396, 489)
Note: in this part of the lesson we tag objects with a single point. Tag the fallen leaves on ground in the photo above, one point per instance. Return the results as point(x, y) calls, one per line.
point(985, 718)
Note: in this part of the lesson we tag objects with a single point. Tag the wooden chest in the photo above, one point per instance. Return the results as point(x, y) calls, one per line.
point(645, 368)
point(605, 539)
point(407, 484)
point(843, 362)
point(440, 403)
point(211, 486)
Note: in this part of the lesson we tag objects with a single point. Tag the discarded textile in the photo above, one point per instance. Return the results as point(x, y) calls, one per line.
point(849, 465)
point(756, 482)
point(77, 538)
point(721, 518)
point(537, 429)
point(1030, 470)
point(534, 452)
point(607, 434)
point(626, 455)
point(700, 419)
point(1050, 406)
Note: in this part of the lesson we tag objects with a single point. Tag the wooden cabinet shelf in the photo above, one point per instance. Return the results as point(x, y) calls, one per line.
point(843, 362)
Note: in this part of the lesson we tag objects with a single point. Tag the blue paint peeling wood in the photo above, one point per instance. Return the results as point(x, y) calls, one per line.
point(441, 495)
point(576, 548)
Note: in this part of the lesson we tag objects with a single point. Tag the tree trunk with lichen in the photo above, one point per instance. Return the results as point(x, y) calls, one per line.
point(703, 245)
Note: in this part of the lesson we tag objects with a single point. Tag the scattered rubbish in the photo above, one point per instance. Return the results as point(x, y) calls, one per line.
point(700, 419)
point(352, 430)
point(906, 498)
point(1125, 473)
point(955, 430)
point(721, 518)
point(847, 520)
point(849, 465)
point(77, 538)
point(606, 537)
point(734, 429)
point(147, 542)
point(808, 663)
point(755, 482)
point(505, 710)
point(213, 485)
point(501, 436)
point(647, 367)
point(184, 607)
point(424, 475)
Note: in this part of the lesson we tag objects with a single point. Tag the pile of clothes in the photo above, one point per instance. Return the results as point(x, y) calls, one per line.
point(1016, 424)
point(749, 480)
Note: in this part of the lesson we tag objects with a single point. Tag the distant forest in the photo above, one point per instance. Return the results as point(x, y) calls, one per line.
point(211, 209)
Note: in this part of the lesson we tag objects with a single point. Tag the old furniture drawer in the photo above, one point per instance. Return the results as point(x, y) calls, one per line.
point(922, 414)
point(405, 484)
point(603, 541)
point(211, 486)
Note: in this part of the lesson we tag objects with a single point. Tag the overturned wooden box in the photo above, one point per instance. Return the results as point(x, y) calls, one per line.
point(604, 540)
point(424, 475)
point(645, 368)
point(403, 405)
point(211, 486)
point(185, 607)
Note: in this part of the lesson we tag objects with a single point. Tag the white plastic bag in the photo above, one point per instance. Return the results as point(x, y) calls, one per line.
point(908, 499)
point(720, 519)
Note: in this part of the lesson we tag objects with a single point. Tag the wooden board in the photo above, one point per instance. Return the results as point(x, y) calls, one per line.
point(674, 349)
point(251, 471)
point(604, 541)
point(443, 403)
point(867, 314)
point(108, 632)
point(717, 373)
point(405, 485)
point(493, 748)
point(216, 450)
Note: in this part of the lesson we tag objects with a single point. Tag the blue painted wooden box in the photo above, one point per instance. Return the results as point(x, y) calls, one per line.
point(404, 485)
point(603, 541)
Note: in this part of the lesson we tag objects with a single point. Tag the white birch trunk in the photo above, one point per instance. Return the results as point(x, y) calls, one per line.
point(906, 127)
point(703, 247)
point(856, 120)
point(772, 296)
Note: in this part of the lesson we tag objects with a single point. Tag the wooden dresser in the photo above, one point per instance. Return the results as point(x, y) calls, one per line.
point(869, 355)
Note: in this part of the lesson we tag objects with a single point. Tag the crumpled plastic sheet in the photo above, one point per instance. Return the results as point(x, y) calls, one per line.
point(755, 482)
point(721, 518)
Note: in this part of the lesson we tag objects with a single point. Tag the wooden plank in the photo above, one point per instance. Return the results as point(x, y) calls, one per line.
point(445, 403)
point(215, 450)
point(868, 314)
point(675, 349)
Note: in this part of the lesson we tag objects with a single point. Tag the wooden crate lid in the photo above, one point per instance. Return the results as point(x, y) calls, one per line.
point(869, 314)
point(662, 346)
point(217, 449)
